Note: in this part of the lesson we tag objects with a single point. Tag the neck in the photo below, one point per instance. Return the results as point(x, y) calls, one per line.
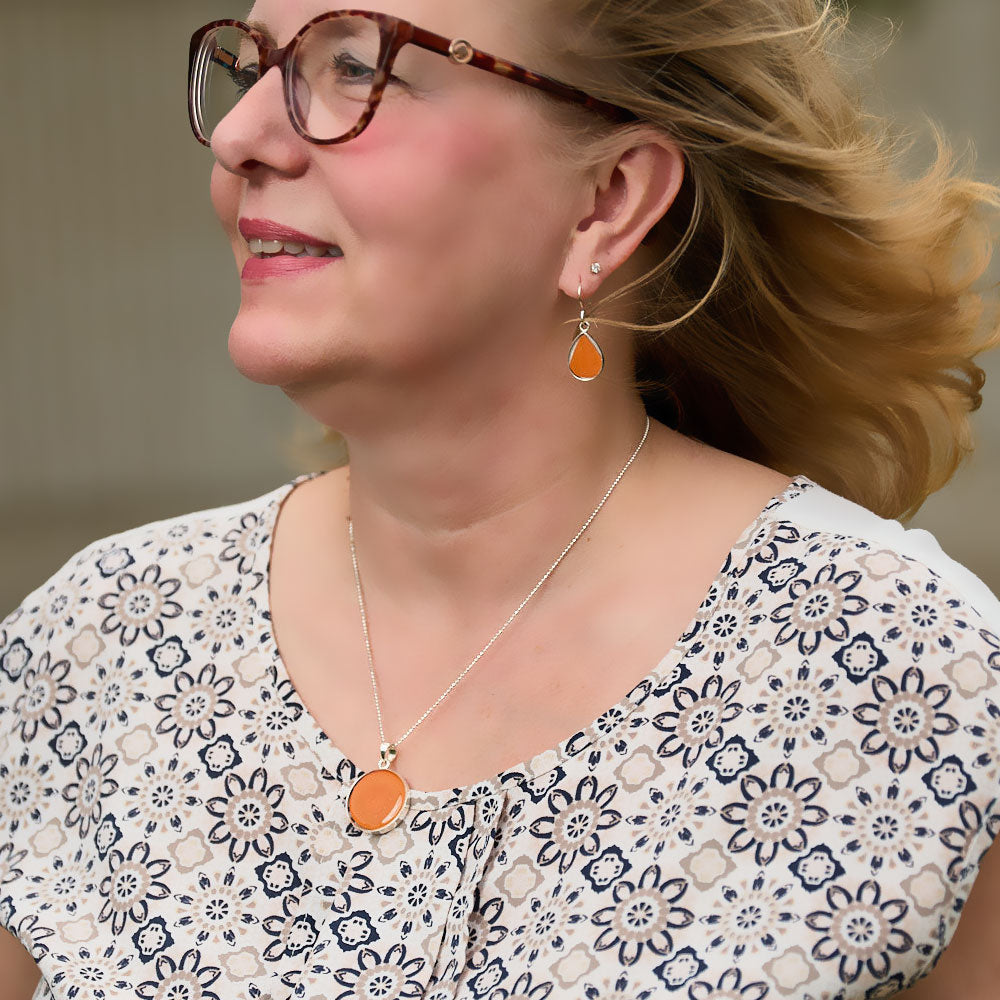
point(472, 504)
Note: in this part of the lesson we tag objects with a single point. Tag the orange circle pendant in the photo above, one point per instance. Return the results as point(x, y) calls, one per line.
point(377, 801)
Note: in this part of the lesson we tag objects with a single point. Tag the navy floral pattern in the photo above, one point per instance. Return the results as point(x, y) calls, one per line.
point(792, 804)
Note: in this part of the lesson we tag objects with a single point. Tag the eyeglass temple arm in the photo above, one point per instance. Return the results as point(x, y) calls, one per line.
point(460, 51)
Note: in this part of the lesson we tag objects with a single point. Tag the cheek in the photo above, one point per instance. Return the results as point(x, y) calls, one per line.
point(460, 190)
point(226, 189)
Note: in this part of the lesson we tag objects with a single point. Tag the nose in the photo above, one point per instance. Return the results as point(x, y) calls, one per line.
point(257, 133)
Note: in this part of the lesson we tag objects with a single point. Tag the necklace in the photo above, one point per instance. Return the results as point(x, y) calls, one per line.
point(378, 800)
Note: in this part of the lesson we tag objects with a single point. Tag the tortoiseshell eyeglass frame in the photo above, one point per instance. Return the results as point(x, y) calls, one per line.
point(394, 33)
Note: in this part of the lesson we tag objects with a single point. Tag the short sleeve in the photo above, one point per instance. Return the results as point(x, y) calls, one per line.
point(39, 689)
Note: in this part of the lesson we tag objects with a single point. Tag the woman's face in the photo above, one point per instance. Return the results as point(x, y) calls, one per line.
point(451, 217)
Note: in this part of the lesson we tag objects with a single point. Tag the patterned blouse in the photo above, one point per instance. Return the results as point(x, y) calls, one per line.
point(793, 803)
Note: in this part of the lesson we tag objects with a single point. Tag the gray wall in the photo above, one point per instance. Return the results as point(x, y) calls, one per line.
point(118, 402)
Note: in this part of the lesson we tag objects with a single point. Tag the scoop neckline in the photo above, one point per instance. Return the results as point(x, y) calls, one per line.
point(595, 734)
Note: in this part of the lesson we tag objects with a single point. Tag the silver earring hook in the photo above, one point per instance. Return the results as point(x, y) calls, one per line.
point(584, 322)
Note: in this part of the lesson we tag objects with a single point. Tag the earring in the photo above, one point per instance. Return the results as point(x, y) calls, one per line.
point(586, 359)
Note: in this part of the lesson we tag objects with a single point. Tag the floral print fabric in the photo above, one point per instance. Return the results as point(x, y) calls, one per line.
point(792, 804)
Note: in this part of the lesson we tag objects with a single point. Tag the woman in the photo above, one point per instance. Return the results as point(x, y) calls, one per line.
point(796, 778)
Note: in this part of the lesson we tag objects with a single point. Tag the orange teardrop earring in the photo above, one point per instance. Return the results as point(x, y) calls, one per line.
point(586, 359)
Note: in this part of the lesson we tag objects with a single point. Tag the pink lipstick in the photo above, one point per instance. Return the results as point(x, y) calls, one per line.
point(281, 251)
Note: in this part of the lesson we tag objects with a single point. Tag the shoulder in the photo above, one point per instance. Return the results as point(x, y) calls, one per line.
point(135, 584)
point(840, 580)
point(899, 641)
point(882, 548)
point(174, 544)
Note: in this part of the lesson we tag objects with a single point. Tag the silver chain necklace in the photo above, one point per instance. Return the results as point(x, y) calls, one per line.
point(377, 800)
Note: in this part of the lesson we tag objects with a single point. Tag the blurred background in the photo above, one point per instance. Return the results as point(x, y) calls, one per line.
point(118, 402)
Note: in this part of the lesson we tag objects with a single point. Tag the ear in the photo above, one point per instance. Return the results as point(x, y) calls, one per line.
point(631, 191)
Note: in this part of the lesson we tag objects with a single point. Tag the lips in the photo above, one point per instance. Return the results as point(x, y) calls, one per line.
point(280, 251)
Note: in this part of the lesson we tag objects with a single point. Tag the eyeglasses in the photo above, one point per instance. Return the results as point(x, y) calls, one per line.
point(335, 70)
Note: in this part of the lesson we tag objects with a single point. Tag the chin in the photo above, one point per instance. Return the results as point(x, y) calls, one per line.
point(265, 353)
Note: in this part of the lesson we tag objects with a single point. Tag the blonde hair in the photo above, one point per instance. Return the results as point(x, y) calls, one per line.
point(810, 308)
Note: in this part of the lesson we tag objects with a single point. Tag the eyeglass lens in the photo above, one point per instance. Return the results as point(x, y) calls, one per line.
point(333, 72)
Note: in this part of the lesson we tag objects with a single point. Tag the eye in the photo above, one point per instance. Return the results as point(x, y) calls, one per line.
point(351, 70)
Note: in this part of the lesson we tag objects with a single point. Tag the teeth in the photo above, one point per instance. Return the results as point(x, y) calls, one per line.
point(269, 248)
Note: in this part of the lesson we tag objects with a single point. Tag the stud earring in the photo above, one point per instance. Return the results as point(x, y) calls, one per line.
point(586, 359)
point(595, 268)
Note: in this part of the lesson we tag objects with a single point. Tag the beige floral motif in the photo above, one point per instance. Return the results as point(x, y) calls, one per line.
point(921, 616)
point(522, 880)
point(761, 659)
point(842, 765)
point(885, 828)
point(159, 795)
point(116, 689)
point(302, 780)
point(136, 744)
point(272, 723)
point(708, 865)
point(574, 965)
point(670, 817)
point(48, 839)
point(62, 884)
point(78, 931)
point(791, 970)
point(21, 789)
point(96, 971)
point(243, 964)
point(60, 606)
point(969, 675)
point(85, 645)
point(223, 619)
point(326, 838)
point(928, 890)
point(189, 852)
point(217, 908)
point(179, 537)
point(750, 916)
point(200, 570)
point(766, 532)
point(421, 896)
point(251, 668)
point(796, 709)
point(550, 915)
point(730, 619)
